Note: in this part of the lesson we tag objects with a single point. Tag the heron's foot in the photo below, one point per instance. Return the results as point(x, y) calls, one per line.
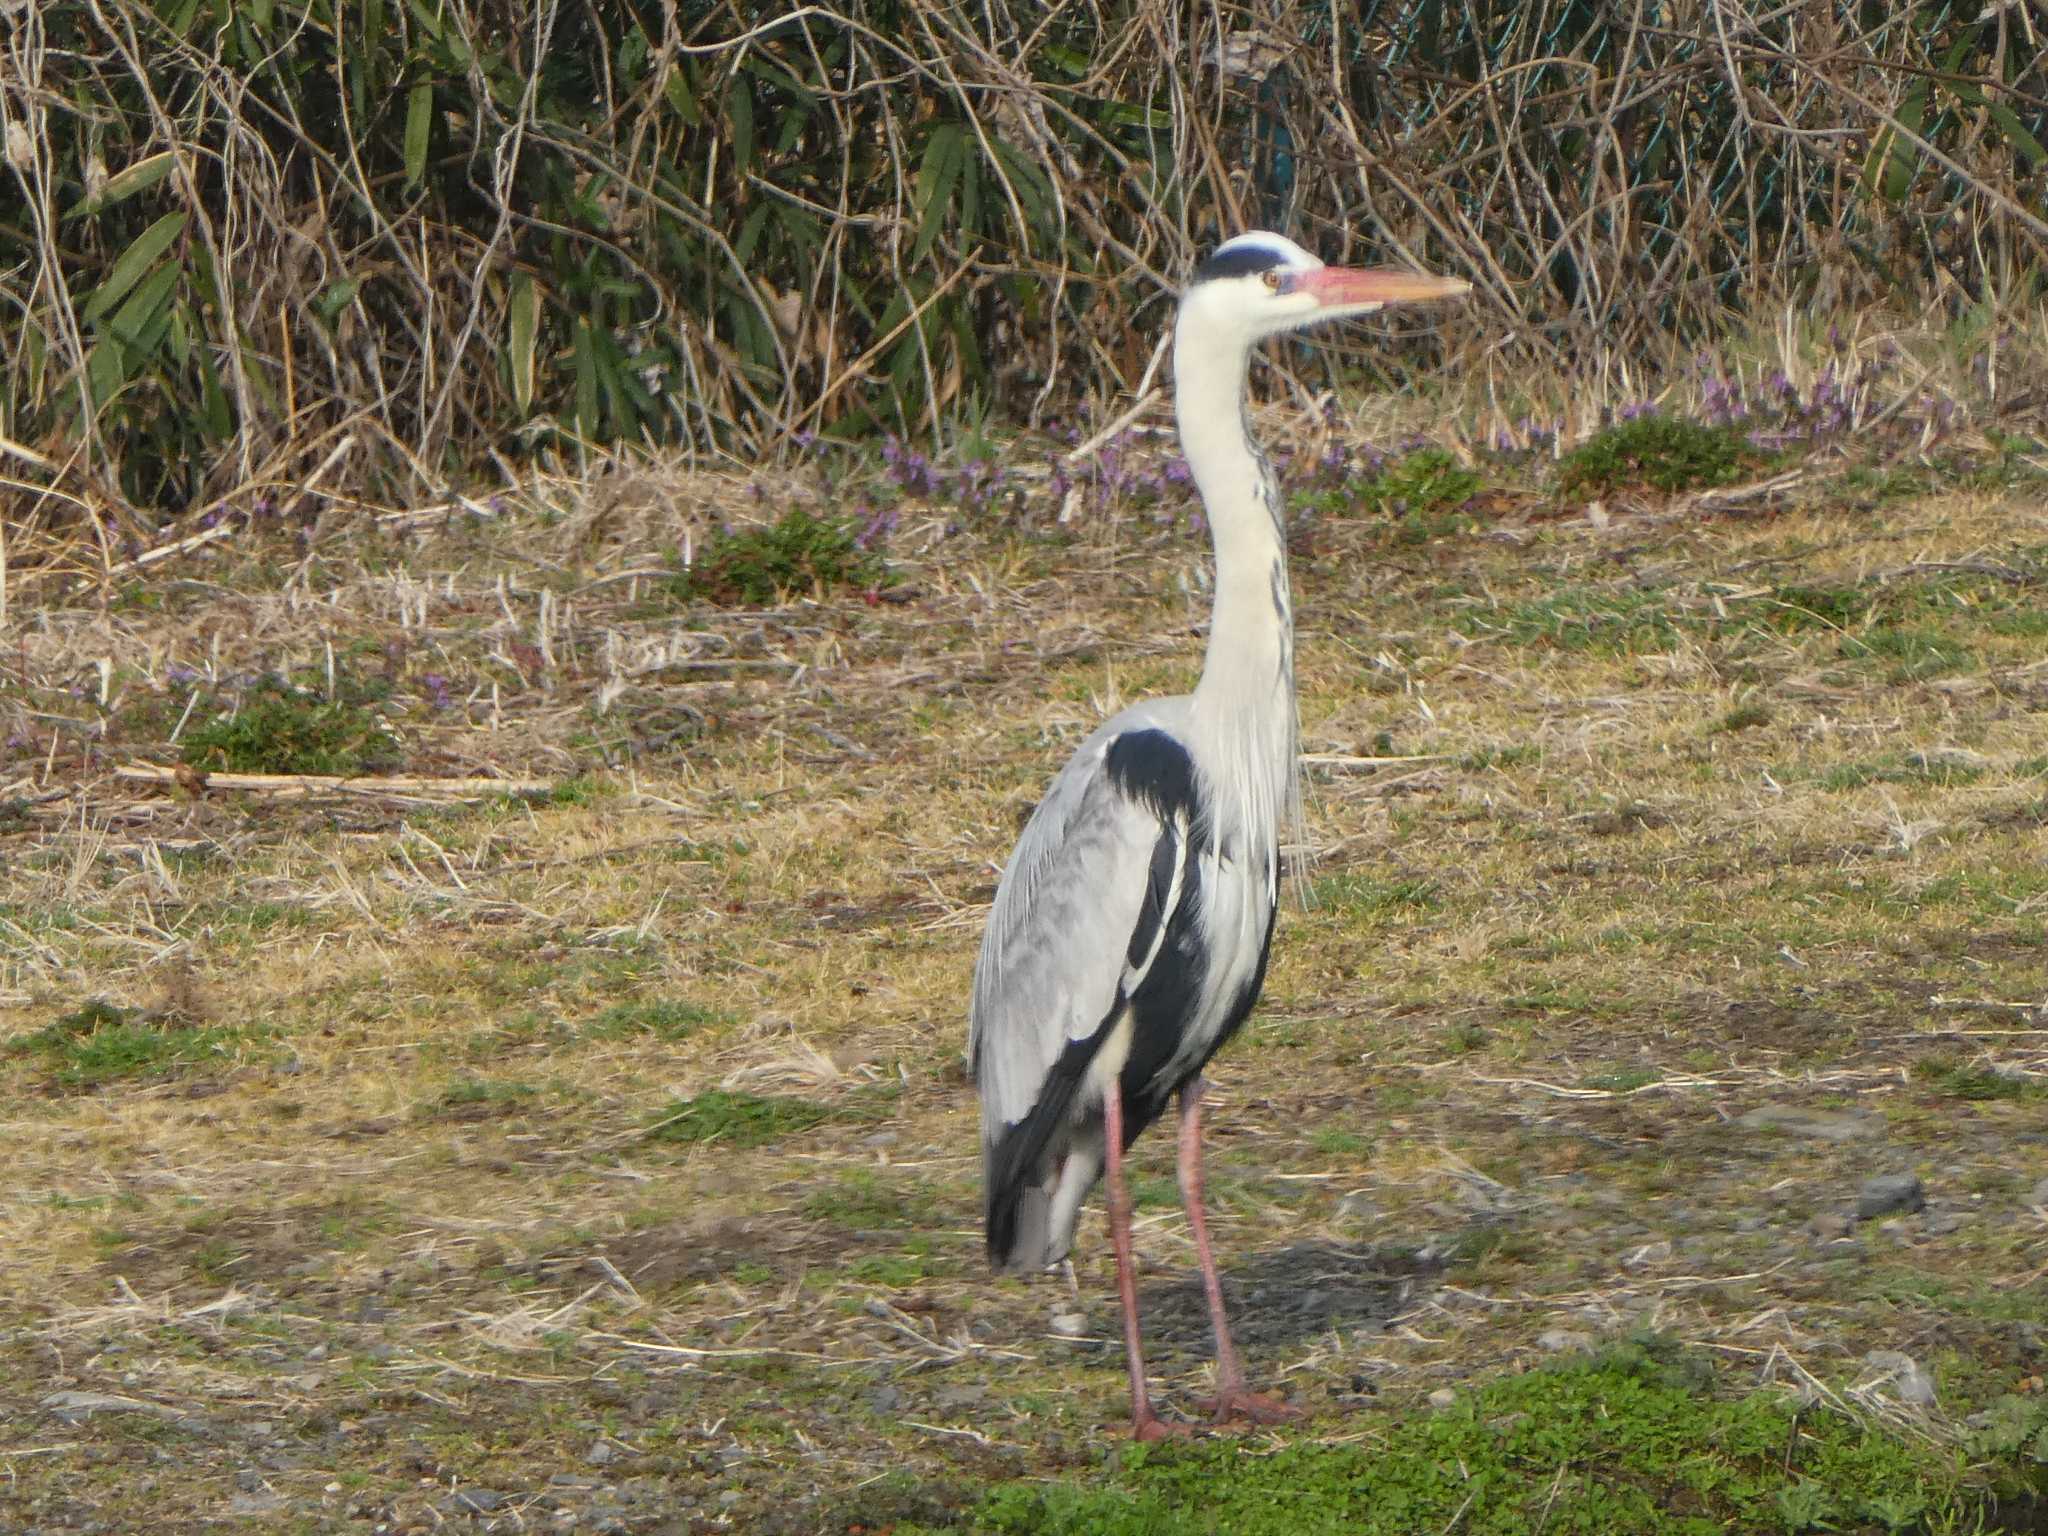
point(1240, 1405)
point(1151, 1427)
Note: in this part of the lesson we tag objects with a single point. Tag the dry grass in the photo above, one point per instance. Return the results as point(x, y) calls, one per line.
point(1670, 839)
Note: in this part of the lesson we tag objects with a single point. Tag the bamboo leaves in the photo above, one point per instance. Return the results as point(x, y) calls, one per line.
point(419, 122)
point(130, 267)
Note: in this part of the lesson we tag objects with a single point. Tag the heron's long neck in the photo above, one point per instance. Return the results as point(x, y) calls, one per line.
point(1246, 695)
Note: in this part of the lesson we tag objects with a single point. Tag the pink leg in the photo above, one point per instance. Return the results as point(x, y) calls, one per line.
point(1234, 1398)
point(1145, 1424)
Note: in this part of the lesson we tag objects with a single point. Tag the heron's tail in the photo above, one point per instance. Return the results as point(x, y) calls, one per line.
point(1020, 1236)
point(1034, 1176)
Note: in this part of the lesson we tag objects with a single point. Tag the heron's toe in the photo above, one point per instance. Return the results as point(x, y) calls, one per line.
point(1250, 1408)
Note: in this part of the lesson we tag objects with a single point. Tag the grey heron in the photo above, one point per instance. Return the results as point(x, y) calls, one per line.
point(1130, 930)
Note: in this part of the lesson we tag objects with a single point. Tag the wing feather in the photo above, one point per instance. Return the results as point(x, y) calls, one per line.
point(1080, 918)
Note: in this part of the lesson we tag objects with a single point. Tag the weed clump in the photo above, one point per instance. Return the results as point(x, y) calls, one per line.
point(799, 552)
point(281, 729)
point(1662, 453)
point(1423, 494)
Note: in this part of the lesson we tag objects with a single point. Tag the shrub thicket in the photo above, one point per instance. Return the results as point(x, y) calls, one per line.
point(252, 244)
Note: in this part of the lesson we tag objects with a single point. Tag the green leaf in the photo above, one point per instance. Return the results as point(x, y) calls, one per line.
point(125, 183)
point(151, 295)
point(586, 381)
point(677, 89)
point(525, 327)
point(750, 232)
point(132, 264)
point(739, 117)
point(419, 122)
point(129, 338)
point(2016, 133)
point(1034, 192)
point(936, 179)
point(1895, 157)
point(336, 297)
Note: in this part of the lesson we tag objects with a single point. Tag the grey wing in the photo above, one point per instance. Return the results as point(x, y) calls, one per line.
point(1078, 919)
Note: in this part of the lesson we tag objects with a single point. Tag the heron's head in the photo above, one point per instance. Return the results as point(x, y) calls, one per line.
point(1260, 284)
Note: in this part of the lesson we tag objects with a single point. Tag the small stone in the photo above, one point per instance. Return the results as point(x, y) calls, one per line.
point(600, 1454)
point(1751, 1223)
point(886, 1400)
point(1070, 1325)
point(1888, 1193)
point(1817, 1124)
point(881, 1139)
point(1941, 1223)
point(1442, 1397)
point(474, 1501)
point(730, 1497)
point(1358, 1207)
point(1560, 1341)
point(1829, 1225)
point(2039, 1194)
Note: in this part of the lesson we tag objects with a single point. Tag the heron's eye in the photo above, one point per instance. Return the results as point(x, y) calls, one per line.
point(1271, 278)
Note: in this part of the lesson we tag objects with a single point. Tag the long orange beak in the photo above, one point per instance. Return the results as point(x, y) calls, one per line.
point(1343, 287)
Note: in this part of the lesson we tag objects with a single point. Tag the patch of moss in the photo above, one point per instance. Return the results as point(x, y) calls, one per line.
point(1659, 453)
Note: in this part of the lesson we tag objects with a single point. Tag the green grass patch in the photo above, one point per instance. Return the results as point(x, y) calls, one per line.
point(467, 1091)
point(661, 1018)
point(1744, 717)
point(1912, 654)
point(1365, 896)
point(1660, 453)
point(735, 1119)
point(1901, 768)
point(865, 1201)
point(1617, 622)
point(282, 729)
point(102, 1043)
point(1960, 1080)
point(754, 1120)
point(1629, 1441)
point(1791, 609)
point(799, 553)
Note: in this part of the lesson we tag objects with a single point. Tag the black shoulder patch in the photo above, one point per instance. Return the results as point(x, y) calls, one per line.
point(1238, 261)
point(1156, 771)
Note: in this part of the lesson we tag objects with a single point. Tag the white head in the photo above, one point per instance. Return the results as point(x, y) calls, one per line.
point(1260, 284)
